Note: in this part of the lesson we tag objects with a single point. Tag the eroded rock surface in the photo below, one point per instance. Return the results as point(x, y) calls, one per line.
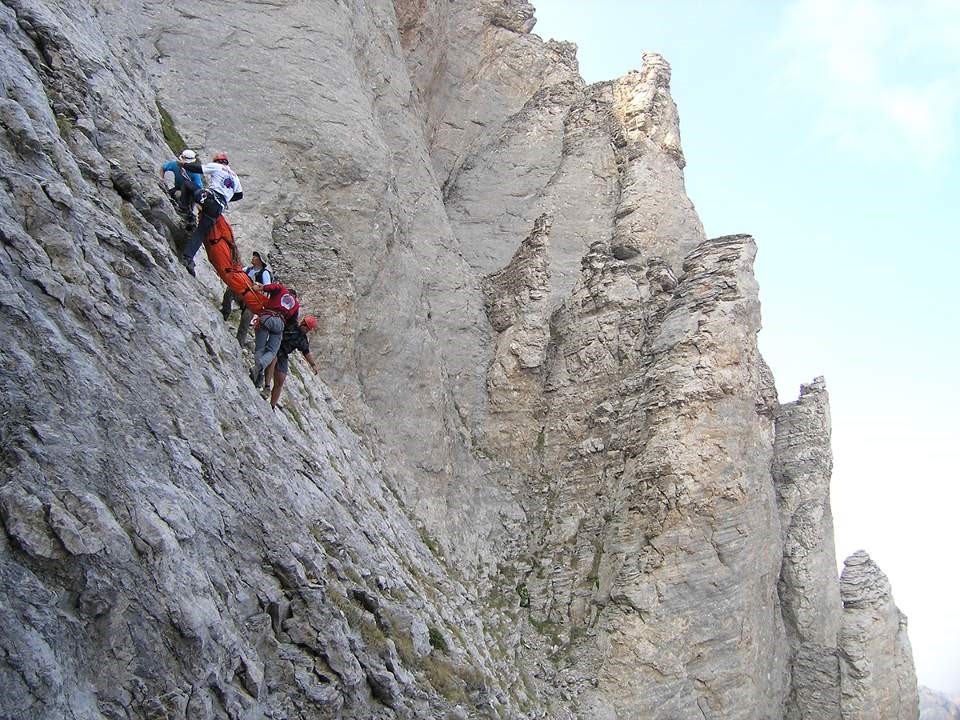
point(809, 587)
point(546, 473)
point(878, 677)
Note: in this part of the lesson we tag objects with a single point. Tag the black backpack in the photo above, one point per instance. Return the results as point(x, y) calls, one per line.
point(258, 275)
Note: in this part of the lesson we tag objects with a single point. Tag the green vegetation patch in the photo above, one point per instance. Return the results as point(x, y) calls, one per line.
point(294, 412)
point(444, 678)
point(549, 629)
point(131, 218)
point(524, 594)
point(438, 641)
point(64, 125)
point(455, 683)
point(430, 542)
point(174, 140)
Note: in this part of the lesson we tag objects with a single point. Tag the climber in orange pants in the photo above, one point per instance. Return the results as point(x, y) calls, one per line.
point(224, 187)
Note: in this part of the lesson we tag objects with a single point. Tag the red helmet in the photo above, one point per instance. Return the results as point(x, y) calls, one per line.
point(221, 158)
point(310, 322)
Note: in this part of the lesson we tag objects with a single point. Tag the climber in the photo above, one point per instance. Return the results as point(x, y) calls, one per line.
point(223, 187)
point(179, 192)
point(294, 338)
point(258, 272)
point(281, 308)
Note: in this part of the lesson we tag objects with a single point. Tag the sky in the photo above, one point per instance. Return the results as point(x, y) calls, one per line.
point(830, 131)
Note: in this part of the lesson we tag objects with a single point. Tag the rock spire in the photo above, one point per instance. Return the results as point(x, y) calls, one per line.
point(544, 472)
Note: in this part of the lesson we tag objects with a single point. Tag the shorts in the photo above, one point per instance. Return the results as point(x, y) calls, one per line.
point(283, 363)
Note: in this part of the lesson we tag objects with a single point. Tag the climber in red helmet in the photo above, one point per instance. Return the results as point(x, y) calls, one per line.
point(223, 187)
point(295, 337)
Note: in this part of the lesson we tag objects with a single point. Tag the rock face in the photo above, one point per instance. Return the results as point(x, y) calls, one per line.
point(809, 587)
point(546, 473)
point(878, 679)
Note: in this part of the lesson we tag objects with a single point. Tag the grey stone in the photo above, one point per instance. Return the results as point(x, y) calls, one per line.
point(876, 662)
point(809, 587)
point(543, 472)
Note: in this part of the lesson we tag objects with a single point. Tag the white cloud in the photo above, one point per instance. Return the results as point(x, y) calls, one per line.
point(883, 74)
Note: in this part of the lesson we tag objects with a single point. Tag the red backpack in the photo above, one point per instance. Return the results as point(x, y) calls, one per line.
point(282, 302)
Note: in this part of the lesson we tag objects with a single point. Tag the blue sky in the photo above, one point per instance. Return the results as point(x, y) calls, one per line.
point(829, 131)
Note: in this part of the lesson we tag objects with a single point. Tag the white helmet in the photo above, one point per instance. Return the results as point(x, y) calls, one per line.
point(188, 155)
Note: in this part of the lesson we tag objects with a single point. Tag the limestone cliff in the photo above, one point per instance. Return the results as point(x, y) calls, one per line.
point(545, 473)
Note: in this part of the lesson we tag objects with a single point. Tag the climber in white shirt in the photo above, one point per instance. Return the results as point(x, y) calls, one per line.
point(223, 186)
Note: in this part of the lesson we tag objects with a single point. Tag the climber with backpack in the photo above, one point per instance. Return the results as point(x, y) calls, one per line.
point(295, 337)
point(223, 187)
point(179, 192)
point(281, 308)
point(258, 272)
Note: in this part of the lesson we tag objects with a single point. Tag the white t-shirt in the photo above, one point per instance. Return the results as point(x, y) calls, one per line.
point(222, 179)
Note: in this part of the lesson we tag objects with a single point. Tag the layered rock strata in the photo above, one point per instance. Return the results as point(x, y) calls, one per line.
point(809, 587)
point(878, 677)
point(662, 574)
point(547, 474)
point(850, 654)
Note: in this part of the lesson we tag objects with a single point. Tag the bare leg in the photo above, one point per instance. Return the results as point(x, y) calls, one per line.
point(278, 378)
point(269, 373)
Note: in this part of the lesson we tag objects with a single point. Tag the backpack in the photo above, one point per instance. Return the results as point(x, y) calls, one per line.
point(282, 303)
point(290, 304)
point(258, 275)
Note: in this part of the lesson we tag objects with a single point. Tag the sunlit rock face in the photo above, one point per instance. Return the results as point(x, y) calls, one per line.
point(809, 586)
point(544, 472)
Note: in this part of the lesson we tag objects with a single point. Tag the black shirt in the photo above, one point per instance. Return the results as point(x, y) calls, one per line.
point(294, 338)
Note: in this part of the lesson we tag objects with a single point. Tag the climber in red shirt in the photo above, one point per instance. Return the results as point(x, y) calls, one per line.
point(281, 308)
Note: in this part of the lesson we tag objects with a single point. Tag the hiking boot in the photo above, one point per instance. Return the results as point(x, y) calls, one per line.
point(257, 377)
point(188, 264)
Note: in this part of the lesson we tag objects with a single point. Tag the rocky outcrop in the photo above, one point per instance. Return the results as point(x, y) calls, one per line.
point(850, 655)
point(657, 577)
point(878, 678)
point(170, 547)
point(809, 587)
point(546, 473)
point(517, 304)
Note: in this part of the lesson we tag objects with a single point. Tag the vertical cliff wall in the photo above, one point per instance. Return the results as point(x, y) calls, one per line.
point(546, 473)
point(809, 587)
